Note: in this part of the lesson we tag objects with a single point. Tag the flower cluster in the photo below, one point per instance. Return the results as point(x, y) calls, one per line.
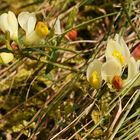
point(117, 57)
point(34, 30)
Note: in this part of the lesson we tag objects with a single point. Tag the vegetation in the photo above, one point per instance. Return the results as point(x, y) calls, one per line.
point(45, 92)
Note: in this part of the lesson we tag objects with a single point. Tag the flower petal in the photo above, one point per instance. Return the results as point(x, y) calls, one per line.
point(124, 48)
point(112, 46)
point(32, 38)
point(94, 68)
point(118, 49)
point(41, 29)
point(27, 21)
point(110, 69)
point(133, 69)
point(57, 27)
point(6, 57)
point(4, 26)
point(31, 23)
point(23, 19)
point(13, 24)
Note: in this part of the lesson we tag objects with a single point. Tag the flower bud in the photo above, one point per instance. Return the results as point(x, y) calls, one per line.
point(117, 82)
point(71, 35)
point(14, 46)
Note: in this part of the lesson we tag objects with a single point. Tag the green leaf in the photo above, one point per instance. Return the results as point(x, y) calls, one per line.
point(53, 57)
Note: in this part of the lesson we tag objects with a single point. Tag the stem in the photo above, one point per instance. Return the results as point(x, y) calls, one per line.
point(129, 20)
point(84, 23)
point(125, 115)
point(18, 43)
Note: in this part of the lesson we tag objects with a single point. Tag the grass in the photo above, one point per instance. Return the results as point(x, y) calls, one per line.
point(44, 93)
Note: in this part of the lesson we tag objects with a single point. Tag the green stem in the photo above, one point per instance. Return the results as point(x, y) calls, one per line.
point(112, 106)
point(129, 20)
point(84, 23)
point(8, 45)
point(8, 41)
point(124, 116)
point(18, 43)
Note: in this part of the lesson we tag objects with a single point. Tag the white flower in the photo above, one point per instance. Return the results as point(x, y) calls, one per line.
point(110, 69)
point(94, 74)
point(98, 71)
point(34, 32)
point(8, 22)
point(5, 57)
point(27, 21)
point(133, 70)
point(117, 48)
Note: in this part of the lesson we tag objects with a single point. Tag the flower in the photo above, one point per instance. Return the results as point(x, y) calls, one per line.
point(133, 70)
point(6, 57)
point(94, 74)
point(117, 82)
point(98, 71)
point(34, 32)
point(110, 69)
point(117, 55)
point(71, 35)
point(8, 22)
point(117, 48)
point(27, 21)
